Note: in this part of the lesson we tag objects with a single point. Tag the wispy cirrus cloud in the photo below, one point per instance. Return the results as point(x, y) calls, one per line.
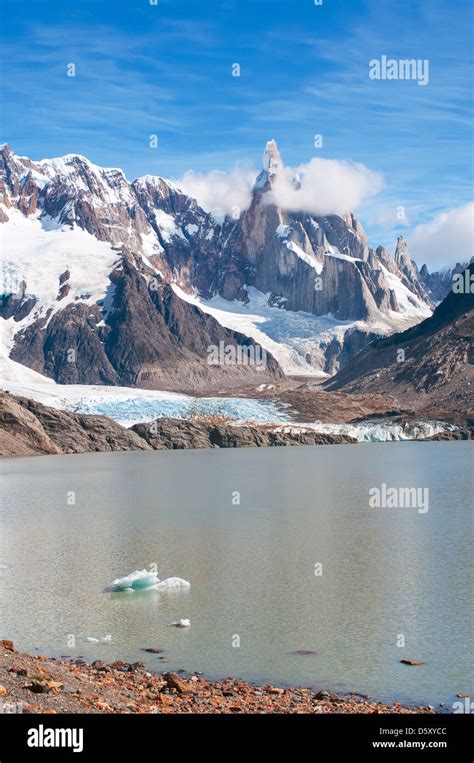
point(304, 71)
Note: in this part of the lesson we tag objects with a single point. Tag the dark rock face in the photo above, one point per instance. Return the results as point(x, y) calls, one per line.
point(68, 349)
point(151, 338)
point(28, 428)
point(16, 306)
point(173, 434)
point(157, 339)
point(340, 352)
point(190, 256)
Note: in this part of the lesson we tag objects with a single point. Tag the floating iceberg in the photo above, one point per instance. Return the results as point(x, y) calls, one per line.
point(183, 623)
point(173, 583)
point(136, 581)
point(144, 580)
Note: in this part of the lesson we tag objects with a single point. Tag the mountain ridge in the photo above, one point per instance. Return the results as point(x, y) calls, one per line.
point(149, 229)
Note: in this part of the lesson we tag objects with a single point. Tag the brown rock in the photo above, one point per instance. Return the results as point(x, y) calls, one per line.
point(19, 671)
point(39, 687)
point(165, 699)
point(7, 644)
point(101, 665)
point(137, 666)
point(173, 681)
point(120, 665)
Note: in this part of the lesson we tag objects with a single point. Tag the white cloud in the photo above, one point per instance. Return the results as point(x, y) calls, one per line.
point(388, 218)
point(445, 240)
point(222, 193)
point(327, 186)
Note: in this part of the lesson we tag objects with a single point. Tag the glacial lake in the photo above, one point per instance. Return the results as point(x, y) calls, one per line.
point(69, 525)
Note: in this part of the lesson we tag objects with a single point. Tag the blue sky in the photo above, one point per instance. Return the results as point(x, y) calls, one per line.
point(166, 69)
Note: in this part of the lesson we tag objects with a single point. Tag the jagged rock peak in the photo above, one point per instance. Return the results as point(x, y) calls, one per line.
point(272, 162)
point(401, 250)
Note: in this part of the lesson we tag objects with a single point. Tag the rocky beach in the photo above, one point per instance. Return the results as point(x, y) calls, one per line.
point(38, 684)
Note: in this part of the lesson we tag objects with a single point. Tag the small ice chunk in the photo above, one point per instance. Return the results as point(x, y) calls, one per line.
point(135, 581)
point(91, 638)
point(173, 583)
point(108, 637)
point(183, 623)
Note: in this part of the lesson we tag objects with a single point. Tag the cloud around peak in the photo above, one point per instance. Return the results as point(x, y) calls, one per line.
point(221, 193)
point(325, 186)
point(322, 187)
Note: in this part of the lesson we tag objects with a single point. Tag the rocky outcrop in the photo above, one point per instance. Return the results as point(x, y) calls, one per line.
point(157, 340)
point(30, 428)
point(172, 434)
point(68, 348)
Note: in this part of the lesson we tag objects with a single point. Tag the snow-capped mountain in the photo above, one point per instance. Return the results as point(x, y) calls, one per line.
point(138, 280)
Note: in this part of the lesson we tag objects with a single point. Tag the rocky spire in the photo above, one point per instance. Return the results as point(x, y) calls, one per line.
point(272, 166)
point(403, 259)
point(272, 163)
point(401, 252)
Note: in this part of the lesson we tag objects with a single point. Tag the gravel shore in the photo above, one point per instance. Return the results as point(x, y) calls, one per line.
point(38, 684)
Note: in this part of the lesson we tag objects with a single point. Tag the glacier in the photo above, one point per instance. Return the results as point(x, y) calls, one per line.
point(380, 431)
point(134, 410)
